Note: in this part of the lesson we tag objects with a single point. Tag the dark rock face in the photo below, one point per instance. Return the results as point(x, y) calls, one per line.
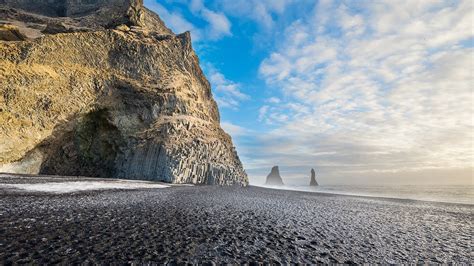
point(313, 181)
point(274, 178)
point(115, 94)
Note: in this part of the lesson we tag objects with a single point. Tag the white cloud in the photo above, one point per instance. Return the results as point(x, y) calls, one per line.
point(273, 100)
point(235, 130)
point(217, 27)
point(174, 20)
point(276, 67)
point(218, 24)
point(388, 89)
point(262, 112)
point(227, 92)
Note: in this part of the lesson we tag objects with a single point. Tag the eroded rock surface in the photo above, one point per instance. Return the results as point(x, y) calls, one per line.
point(106, 89)
point(274, 178)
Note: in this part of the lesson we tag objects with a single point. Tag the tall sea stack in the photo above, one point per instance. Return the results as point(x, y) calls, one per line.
point(103, 88)
point(313, 181)
point(274, 178)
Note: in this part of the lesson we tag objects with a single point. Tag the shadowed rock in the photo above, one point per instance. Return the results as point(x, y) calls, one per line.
point(313, 182)
point(274, 178)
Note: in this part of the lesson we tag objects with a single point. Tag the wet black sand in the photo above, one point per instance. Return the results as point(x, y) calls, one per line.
point(215, 224)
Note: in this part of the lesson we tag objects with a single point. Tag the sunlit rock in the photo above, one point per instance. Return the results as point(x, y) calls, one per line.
point(103, 88)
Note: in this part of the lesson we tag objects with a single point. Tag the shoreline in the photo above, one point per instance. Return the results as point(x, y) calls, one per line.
point(284, 188)
point(366, 196)
point(210, 224)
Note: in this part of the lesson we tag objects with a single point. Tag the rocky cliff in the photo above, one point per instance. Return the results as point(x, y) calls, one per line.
point(274, 178)
point(104, 88)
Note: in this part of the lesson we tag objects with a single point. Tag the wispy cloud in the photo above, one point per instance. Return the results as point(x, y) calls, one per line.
point(235, 130)
point(273, 100)
point(228, 93)
point(260, 11)
point(175, 20)
point(217, 26)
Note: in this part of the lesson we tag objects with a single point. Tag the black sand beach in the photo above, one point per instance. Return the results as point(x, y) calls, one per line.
point(227, 225)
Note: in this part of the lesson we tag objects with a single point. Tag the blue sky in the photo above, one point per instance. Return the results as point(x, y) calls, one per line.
point(363, 91)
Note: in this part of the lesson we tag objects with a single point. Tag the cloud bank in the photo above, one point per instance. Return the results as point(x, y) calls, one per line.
point(373, 88)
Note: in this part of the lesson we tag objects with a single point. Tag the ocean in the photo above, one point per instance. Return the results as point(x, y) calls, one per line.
point(440, 193)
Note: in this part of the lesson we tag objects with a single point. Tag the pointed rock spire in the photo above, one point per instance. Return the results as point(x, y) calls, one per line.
point(313, 182)
point(274, 178)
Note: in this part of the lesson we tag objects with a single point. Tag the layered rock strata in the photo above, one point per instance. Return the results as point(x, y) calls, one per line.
point(106, 89)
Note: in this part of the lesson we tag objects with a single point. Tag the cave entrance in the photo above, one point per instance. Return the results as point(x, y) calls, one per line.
point(98, 142)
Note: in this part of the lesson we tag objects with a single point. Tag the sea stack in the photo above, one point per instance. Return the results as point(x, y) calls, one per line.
point(274, 178)
point(313, 182)
point(103, 88)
